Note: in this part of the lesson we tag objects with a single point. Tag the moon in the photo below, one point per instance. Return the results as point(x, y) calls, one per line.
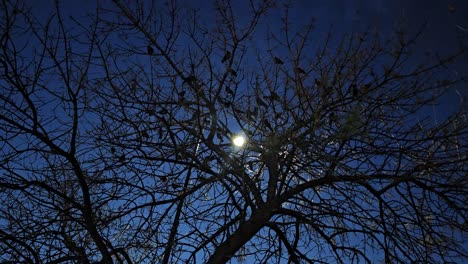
point(239, 140)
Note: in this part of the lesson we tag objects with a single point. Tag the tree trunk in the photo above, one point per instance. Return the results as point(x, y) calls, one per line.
point(244, 233)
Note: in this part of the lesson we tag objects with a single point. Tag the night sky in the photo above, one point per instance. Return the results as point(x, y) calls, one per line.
point(446, 20)
point(445, 24)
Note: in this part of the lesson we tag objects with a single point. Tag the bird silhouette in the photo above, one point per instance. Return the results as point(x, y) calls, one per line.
point(233, 72)
point(366, 87)
point(203, 179)
point(219, 136)
point(226, 103)
point(207, 121)
point(112, 150)
point(299, 70)
point(206, 161)
point(190, 79)
point(255, 111)
point(250, 165)
point(317, 82)
point(229, 91)
point(354, 90)
point(252, 114)
point(261, 102)
point(273, 96)
point(331, 118)
point(150, 50)
point(160, 133)
point(163, 111)
point(278, 61)
point(278, 116)
point(181, 97)
point(133, 84)
point(267, 124)
point(227, 56)
point(163, 178)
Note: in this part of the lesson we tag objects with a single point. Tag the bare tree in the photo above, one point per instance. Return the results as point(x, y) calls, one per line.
point(116, 138)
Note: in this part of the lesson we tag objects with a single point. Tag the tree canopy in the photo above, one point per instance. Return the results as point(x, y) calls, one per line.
point(117, 130)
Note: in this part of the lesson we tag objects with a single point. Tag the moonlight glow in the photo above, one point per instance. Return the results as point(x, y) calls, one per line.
point(238, 140)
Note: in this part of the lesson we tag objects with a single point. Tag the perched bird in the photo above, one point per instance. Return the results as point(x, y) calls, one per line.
point(122, 158)
point(240, 111)
point(250, 165)
point(203, 179)
point(190, 79)
point(207, 121)
point(354, 90)
point(181, 100)
point(255, 111)
point(249, 112)
point(273, 96)
point(278, 61)
point(317, 82)
point(150, 112)
point(150, 50)
point(133, 84)
point(278, 116)
point(160, 133)
point(229, 91)
point(267, 124)
point(366, 87)
point(210, 158)
point(331, 118)
point(163, 111)
point(163, 178)
point(226, 103)
point(252, 114)
point(233, 72)
point(195, 116)
point(227, 56)
point(198, 89)
point(261, 102)
point(219, 136)
point(207, 160)
point(299, 70)
point(112, 150)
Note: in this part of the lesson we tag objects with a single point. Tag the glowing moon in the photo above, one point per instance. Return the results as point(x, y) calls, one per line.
point(238, 140)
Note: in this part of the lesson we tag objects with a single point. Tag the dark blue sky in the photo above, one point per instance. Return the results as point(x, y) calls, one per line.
point(446, 22)
point(445, 19)
point(355, 15)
